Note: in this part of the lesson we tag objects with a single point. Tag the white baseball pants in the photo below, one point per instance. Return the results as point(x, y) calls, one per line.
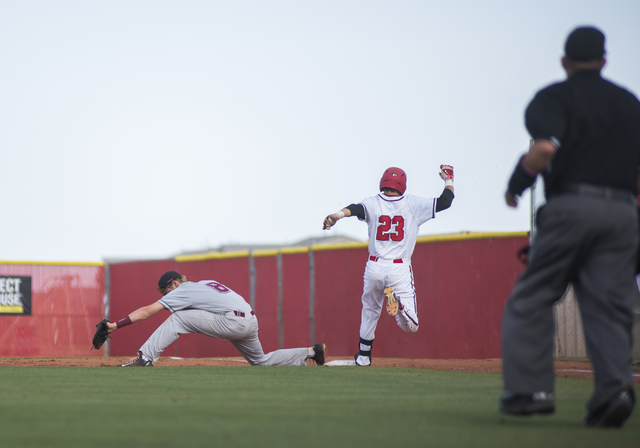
point(377, 276)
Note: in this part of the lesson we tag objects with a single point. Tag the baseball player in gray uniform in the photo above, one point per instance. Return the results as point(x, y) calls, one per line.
point(210, 308)
point(394, 220)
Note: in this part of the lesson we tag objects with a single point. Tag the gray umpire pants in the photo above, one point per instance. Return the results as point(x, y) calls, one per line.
point(590, 242)
point(242, 332)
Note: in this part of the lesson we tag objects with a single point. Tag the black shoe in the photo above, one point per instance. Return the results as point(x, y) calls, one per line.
point(137, 362)
point(527, 404)
point(614, 412)
point(321, 352)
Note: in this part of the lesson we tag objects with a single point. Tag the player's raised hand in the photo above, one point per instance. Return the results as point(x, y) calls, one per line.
point(446, 172)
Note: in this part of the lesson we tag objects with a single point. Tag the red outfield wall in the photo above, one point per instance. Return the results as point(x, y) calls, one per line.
point(309, 295)
point(67, 300)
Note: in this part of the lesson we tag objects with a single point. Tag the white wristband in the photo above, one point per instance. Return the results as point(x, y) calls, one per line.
point(448, 183)
point(340, 214)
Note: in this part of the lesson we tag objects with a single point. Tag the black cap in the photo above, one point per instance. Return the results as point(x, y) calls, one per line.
point(167, 277)
point(585, 44)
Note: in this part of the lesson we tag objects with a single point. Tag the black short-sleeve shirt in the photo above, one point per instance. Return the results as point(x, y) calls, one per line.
point(596, 126)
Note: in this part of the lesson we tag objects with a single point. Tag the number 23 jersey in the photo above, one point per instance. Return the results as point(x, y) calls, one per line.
point(394, 222)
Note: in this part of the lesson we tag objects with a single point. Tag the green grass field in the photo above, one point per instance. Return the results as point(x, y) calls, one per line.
point(282, 407)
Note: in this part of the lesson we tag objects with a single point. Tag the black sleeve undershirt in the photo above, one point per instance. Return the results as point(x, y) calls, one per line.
point(356, 210)
point(442, 203)
point(445, 200)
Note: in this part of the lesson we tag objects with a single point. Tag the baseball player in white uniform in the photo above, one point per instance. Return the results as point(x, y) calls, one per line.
point(393, 219)
point(212, 309)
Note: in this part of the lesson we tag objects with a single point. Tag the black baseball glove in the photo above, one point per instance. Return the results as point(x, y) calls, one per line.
point(101, 335)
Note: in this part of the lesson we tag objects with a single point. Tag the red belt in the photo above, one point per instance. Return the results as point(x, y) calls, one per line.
point(241, 314)
point(372, 258)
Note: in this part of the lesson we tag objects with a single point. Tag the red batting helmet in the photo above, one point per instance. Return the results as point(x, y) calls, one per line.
point(394, 178)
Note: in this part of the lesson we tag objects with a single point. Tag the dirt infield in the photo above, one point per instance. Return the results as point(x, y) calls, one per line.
point(575, 369)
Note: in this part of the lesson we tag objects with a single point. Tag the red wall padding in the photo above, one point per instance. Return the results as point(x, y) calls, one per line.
point(339, 275)
point(266, 306)
point(295, 300)
point(461, 287)
point(133, 285)
point(66, 303)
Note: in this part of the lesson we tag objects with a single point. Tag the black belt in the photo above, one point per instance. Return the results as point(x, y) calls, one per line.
point(241, 314)
point(597, 191)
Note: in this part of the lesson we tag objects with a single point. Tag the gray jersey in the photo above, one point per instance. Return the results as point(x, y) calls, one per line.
point(206, 295)
point(206, 307)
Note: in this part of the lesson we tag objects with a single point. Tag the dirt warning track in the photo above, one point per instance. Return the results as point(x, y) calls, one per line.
point(574, 369)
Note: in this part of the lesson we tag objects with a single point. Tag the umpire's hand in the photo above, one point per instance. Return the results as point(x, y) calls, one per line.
point(511, 200)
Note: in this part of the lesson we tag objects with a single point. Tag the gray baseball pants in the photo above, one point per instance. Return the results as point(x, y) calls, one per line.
point(591, 243)
point(242, 332)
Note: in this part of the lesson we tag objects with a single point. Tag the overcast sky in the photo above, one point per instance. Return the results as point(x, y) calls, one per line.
point(146, 128)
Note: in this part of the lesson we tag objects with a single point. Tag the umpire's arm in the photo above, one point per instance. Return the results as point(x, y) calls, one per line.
point(540, 154)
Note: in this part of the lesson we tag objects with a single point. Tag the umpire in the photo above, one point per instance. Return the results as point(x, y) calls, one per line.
point(586, 144)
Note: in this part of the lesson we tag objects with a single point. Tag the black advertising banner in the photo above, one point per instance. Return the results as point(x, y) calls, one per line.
point(15, 295)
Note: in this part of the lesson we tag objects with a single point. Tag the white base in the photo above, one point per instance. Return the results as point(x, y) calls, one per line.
point(341, 362)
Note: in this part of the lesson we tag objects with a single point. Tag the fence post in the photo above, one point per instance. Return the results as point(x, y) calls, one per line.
point(280, 324)
point(107, 290)
point(312, 295)
point(252, 281)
